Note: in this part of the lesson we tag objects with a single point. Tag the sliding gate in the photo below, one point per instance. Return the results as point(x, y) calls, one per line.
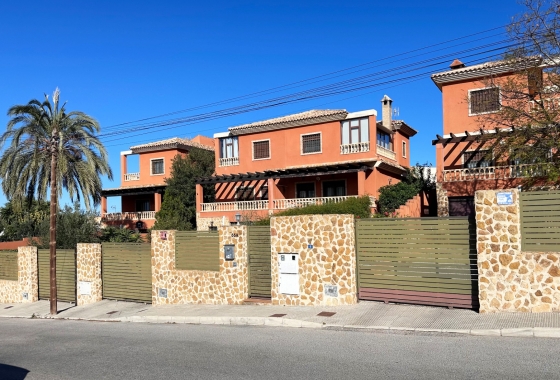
point(65, 274)
point(428, 261)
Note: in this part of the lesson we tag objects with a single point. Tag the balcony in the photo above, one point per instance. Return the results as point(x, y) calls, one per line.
point(495, 172)
point(230, 161)
point(386, 152)
point(277, 204)
point(132, 177)
point(118, 216)
point(354, 148)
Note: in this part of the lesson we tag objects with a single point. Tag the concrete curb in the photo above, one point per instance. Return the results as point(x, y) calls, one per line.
point(536, 332)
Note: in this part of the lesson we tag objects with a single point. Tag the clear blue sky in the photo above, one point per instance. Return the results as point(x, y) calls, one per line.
point(121, 61)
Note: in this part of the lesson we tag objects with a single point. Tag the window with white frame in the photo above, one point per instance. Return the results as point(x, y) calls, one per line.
point(229, 147)
point(157, 166)
point(384, 140)
point(404, 149)
point(261, 149)
point(355, 131)
point(484, 100)
point(311, 143)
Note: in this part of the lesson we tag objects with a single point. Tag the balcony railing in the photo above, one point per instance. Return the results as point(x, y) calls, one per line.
point(495, 172)
point(132, 176)
point(277, 204)
point(354, 148)
point(141, 215)
point(385, 152)
point(230, 161)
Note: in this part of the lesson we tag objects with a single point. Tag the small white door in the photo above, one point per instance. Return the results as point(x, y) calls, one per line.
point(289, 283)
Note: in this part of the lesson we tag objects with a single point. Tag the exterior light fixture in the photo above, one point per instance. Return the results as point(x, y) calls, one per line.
point(237, 218)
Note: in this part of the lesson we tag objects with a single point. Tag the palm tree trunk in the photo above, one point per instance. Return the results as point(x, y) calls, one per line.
point(54, 205)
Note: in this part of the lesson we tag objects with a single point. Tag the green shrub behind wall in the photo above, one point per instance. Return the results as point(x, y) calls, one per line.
point(359, 207)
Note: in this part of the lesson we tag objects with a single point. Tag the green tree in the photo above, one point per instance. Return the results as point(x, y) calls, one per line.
point(528, 121)
point(19, 220)
point(120, 235)
point(48, 150)
point(178, 209)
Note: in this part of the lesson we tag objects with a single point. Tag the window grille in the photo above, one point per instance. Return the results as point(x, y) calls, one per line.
point(311, 143)
point(157, 166)
point(486, 100)
point(261, 149)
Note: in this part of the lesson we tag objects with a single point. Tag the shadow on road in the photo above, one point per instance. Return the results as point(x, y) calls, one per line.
point(9, 372)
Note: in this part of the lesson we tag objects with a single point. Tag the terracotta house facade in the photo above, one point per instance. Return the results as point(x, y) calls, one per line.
point(142, 192)
point(307, 158)
point(464, 163)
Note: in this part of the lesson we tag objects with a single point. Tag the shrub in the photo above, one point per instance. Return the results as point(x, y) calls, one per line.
point(359, 207)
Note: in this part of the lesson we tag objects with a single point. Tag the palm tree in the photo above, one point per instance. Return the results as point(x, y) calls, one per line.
point(48, 147)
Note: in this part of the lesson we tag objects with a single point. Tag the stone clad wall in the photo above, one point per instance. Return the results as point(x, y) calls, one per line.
point(13, 291)
point(88, 274)
point(509, 279)
point(229, 285)
point(331, 261)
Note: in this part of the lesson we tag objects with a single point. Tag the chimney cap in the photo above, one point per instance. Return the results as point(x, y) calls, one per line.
point(456, 64)
point(386, 98)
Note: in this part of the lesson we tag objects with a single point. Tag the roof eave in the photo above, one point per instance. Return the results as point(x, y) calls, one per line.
point(237, 131)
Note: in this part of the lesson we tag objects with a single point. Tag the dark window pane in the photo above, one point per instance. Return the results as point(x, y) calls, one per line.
point(461, 206)
point(487, 100)
point(157, 166)
point(311, 143)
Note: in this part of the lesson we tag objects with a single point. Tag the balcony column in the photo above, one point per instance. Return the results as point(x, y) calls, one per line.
point(157, 202)
point(103, 206)
point(199, 197)
point(362, 182)
point(123, 164)
point(271, 188)
point(439, 162)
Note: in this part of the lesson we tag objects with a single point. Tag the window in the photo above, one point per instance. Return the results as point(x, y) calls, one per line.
point(305, 190)
point(245, 193)
point(142, 205)
point(384, 140)
point(477, 159)
point(229, 147)
point(311, 143)
point(157, 166)
point(261, 149)
point(355, 131)
point(484, 101)
point(334, 188)
point(404, 149)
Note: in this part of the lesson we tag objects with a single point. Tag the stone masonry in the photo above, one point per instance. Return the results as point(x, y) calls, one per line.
point(88, 274)
point(229, 285)
point(26, 288)
point(509, 279)
point(330, 263)
point(442, 200)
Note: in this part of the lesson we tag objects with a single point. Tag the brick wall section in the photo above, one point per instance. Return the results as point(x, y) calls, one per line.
point(12, 291)
point(88, 272)
point(229, 285)
point(331, 261)
point(509, 279)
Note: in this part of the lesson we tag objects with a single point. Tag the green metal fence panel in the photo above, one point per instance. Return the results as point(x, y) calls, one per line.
point(8, 265)
point(197, 250)
point(418, 260)
point(127, 271)
point(540, 221)
point(65, 274)
point(260, 280)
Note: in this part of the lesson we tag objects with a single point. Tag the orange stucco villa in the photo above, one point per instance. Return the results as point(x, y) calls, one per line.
point(302, 159)
point(142, 193)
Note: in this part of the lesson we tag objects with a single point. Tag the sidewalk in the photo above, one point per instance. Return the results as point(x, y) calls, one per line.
point(365, 315)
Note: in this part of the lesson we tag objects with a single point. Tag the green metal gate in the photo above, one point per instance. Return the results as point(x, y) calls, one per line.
point(429, 261)
point(127, 271)
point(9, 265)
point(259, 261)
point(65, 274)
point(197, 250)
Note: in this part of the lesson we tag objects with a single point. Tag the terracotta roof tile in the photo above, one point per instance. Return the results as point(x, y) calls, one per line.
point(175, 142)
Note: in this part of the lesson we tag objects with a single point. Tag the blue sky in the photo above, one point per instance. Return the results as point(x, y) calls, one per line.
point(122, 61)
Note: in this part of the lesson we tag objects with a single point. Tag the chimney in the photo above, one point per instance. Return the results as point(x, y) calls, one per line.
point(386, 112)
point(456, 64)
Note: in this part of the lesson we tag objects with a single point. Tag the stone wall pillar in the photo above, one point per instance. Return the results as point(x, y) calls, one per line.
point(163, 266)
point(28, 278)
point(88, 274)
point(442, 200)
point(510, 279)
point(327, 258)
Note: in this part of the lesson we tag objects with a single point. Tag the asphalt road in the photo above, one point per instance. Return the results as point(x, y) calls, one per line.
point(58, 349)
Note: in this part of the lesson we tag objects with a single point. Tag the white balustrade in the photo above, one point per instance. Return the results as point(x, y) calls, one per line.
point(141, 215)
point(495, 172)
point(132, 176)
point(235, 206)
point(354, 148)
point(277, 204)
point(230, 161)
point(386, 152)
